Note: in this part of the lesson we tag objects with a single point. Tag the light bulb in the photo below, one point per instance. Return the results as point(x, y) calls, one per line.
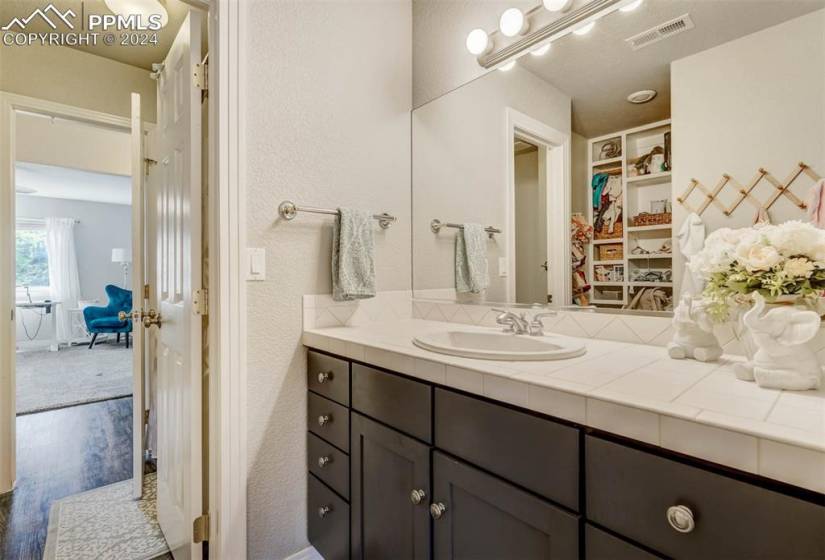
point(632, 6)
point(541, 51)
point(557, 5)
point(585, 29)
point(512, 22)
point(508, 66)
point(478, 42)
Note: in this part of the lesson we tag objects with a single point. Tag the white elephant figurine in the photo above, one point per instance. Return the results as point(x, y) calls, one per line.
point(783, 358)
point(694, 336)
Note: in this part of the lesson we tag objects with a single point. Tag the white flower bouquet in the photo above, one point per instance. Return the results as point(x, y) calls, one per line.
point(774, 260)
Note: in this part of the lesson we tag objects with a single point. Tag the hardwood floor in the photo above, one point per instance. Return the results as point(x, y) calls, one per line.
point(59, 453)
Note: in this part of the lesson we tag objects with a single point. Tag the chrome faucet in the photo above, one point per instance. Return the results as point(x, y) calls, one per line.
point(518, 324)
point(513, 323)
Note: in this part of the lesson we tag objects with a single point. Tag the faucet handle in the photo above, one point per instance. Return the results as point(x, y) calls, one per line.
point(536, 326)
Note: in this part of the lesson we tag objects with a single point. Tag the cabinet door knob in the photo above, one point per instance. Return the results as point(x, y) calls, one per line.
point(324, 376)
point(324, 461)
point(323, 511)
point(437, 510)
point(681, 518)
point(324, 419)
point(417, 496)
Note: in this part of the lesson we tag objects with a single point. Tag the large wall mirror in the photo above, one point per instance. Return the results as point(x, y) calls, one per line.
point(589, 165)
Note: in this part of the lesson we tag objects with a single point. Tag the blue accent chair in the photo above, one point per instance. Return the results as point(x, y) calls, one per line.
point(105, 319)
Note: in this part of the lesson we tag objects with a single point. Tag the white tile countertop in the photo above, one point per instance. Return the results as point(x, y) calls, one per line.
point(632, 390)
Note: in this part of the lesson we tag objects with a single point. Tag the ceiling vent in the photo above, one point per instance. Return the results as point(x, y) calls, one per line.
point(661, 31)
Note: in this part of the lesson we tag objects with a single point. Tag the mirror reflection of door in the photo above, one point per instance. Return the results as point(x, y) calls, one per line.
point(531, 222)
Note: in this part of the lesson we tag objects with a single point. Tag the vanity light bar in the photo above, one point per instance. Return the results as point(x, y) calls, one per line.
point(591, 11)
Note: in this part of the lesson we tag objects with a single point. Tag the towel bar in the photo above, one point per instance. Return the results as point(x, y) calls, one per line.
point(437, 224)
point(288, 210)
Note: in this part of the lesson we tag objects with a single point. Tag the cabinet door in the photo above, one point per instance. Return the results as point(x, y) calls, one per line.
point(388, 520)
point(479, 517)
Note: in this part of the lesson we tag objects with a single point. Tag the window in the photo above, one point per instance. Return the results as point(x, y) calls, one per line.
point(31, 257)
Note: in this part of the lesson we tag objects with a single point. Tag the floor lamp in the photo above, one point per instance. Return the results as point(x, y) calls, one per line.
point(121, 256)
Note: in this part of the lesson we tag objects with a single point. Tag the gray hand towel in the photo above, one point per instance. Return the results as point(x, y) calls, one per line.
point(471, 259)
point(353, 255)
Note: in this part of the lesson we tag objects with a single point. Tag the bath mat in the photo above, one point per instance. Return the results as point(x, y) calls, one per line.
point(75, 375)
point(106, 524)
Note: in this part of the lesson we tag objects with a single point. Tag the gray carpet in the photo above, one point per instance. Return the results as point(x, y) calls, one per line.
point(75, 375)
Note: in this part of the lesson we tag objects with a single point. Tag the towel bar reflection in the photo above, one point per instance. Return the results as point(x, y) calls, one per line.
point(437, 224)
point(288, 210)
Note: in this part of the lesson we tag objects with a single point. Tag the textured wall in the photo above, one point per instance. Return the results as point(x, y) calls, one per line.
point(76, 78)
point(328, 124)
point(765, 109)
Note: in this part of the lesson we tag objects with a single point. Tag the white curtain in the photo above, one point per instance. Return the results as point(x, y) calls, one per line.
point(64, 279)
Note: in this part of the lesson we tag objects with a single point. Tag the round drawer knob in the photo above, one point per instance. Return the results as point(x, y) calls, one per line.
point(324, 461)
point(417, 496)
point(681, 518)
point(324, 376)
point(437, 510)
point(323, 511)
point(324, 419)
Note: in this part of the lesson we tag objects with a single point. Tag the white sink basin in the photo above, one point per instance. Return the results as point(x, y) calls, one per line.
point(500, 346)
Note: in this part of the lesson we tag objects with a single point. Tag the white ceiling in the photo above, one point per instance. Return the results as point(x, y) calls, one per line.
point(72, 184)
point(142, 56)
point(599, 70)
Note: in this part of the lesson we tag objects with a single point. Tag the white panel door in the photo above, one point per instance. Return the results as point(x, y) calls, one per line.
point(178, 265)
point(138, 218)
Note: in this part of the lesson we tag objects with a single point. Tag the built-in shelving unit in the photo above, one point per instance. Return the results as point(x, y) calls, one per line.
point(611, 276)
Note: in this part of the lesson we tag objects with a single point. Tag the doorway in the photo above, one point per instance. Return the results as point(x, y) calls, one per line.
point(109, 436)
point(531, 223)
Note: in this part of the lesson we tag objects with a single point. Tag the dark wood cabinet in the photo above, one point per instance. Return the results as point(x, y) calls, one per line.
point(478, 517)
point(390, 493)
point(403, 469)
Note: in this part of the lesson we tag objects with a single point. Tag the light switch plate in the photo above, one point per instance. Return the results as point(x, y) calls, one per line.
point(256, 264)
point(502, 267)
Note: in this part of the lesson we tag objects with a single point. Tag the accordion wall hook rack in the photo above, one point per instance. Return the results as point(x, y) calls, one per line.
point(745, 192)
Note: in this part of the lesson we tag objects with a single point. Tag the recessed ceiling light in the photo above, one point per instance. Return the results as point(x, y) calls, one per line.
point(631, 6)
point(541, 51)
point(512, 22)
point(641, 96)
point(557, 5)
point(478, 42)
point(24, 190)
point(585, 29)
point(508, 66)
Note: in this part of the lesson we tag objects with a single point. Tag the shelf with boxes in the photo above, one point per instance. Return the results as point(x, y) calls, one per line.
point(630, 208)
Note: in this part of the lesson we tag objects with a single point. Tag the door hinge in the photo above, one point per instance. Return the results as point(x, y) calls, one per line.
point(200, 529)
point(146, 291)
point(145, 417)
point(200, 302)
point(199, 76)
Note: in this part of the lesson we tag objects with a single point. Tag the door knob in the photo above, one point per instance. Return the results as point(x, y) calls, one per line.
point(324, 419)
point(148, 318)
point(417, 496)
point(324, 461)
point(323, 511)
point(437, 510)
point(324, 376)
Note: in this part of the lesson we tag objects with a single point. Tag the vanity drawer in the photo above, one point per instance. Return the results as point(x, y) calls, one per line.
point(328, 376)
point(329, 464)
point(630, 492)
point(328, 521)
point(535, 453)
point(394, 400)
point(600, 545)
point(329, 420)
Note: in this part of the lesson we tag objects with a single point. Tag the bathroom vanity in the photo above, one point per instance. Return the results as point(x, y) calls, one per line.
point(400, 467)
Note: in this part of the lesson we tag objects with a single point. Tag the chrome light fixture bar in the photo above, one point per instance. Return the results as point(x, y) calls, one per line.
point(562, 26)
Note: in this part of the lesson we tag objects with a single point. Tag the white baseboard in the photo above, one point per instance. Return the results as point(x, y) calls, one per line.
point(309, 553)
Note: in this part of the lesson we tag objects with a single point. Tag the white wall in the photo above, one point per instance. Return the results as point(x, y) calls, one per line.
point(579, 187)
point(76, 78)
point(758, 101)
point(72, 144)
point(459, 167)
point(327, 124)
